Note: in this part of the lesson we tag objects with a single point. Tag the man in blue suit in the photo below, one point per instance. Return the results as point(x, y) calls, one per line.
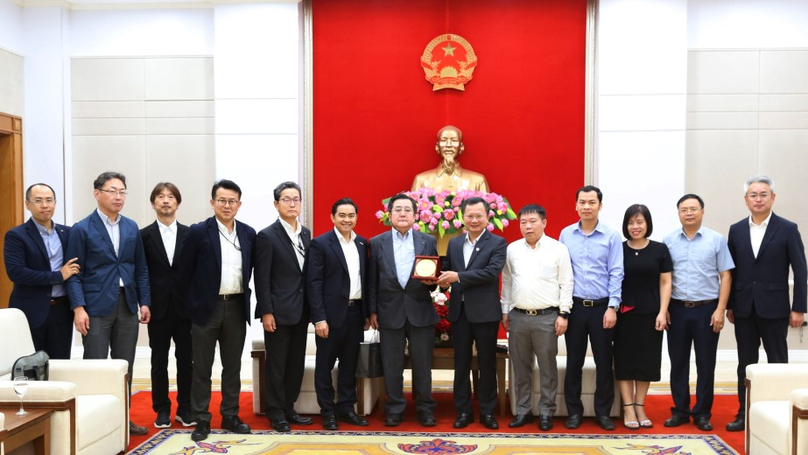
point(34, 257)
point(763, 246)
point(215, 270)
point(114, 279)
point(335, 278)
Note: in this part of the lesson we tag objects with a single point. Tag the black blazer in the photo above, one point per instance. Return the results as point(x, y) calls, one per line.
point(28, 267)
point(479, 280)
point(393, 304)
point(164, 277)
point(762, 282)
point(201, 268)
point(327, 277)
point(279, 283)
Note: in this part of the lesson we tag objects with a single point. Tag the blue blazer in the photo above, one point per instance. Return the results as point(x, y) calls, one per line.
point(478, 288)
point(97, 286)
point(201, 268)
point(328, 281)
point(28, 267)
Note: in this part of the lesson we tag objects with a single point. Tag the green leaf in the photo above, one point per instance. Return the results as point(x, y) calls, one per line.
point(498, 224)
point(441, 231)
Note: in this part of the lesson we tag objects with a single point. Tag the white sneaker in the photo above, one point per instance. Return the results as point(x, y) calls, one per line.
point(186, 422)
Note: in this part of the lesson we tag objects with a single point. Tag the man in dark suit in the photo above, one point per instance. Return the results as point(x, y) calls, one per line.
point(280, 254)
point(114, 279)
point(335, 275)
point(162, 242)
point(34, 258)
point(401, 308)
point(763, 246)
point(215, 269)
point(472, 267)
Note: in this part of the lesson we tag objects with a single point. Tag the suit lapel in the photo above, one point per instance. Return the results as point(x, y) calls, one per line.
point(479, 245)
point(286, 241)
point(389, 253)
point(157, 239)
point(771, 231)
point(336, 248)
point(33, 232)
point(98, 225)
point(215, 243)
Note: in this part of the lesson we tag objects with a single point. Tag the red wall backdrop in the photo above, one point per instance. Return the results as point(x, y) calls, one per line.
point(376, 116)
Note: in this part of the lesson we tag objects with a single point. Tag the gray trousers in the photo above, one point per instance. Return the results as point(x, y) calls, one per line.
point(421, 343)
point(115, 332)
point(228, 326)
point(529, 336)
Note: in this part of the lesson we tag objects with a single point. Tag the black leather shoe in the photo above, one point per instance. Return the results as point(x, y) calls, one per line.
point(136, 430)
point(163, 420)
point(393, 420)
point(737, 424)
point(330, 422)
point(490, 422)
point(426, 419)
point(520, 420)
point(298, 419)
point(676, 420)
point(463, 420)
point(605, 422)
point(703, 423)
point(280, 425)
point(573, 422)
point(353, 419)
point(234, 424)
point(201, 431)
point(545, 423)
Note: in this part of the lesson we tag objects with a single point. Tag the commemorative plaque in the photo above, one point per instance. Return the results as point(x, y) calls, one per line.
point(426, 267)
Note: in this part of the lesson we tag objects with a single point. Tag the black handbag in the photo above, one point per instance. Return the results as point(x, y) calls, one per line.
point(369, 364)
point(34, 367)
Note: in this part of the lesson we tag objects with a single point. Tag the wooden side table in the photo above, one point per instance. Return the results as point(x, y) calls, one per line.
point(34, 427)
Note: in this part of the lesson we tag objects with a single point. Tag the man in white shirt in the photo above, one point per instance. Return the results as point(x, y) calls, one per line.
point(537, 285)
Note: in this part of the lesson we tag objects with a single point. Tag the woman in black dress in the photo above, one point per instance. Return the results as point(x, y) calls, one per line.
point(643, 314)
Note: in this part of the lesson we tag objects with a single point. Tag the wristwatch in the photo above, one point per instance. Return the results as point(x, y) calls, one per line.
point(564, 314)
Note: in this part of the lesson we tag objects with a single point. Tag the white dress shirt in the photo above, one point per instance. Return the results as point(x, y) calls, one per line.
point(351, 254)
point(757, 231)
point(169, 236)
point(537, 278)
point(231, 260)
point(114, 231)
point(297, 242)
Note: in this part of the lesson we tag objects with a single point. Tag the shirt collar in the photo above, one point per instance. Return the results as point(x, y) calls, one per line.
point(106, 219)
point(578, 228)
point(42, 229)
point(399, 235)
point(289, 230)
point(457, 172)
point(538, 242)
point(765, 222)
point(223, 228)
point(699, 232)
point(170, 228)
point(342, 239)
point(478, 237)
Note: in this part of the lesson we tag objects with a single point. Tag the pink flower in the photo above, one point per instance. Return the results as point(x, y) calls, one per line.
point(457, 201)
point(445, 224)
point(502, 206)
point(490, 227)
point(426, 216)
point(505, 223)
point(448, 215)
point(380, 214)
point(457, 224)
point(416, 227)
point(491, 213)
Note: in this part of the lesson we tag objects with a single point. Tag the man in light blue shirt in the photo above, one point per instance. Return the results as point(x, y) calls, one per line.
point(701, 285)
point(596, 252)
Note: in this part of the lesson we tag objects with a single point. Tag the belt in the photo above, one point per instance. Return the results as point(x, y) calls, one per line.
point(538, 312)
point(590, 303)
point(229, 296)
point(57, 300)
point(356, 302)
point(693, 303)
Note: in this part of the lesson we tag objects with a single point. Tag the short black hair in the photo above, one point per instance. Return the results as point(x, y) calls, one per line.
point(531, 209)
point(473, 201)
point(285, 186)
point(226, 184)
point(344, 201)
point(105, 177)
point(634, 210)
point(398, 197)
point(690, 196)
point(588, 188)
point(166, 186)
point(28, 191)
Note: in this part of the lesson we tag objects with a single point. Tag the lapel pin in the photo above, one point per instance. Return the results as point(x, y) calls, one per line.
point(478, 248)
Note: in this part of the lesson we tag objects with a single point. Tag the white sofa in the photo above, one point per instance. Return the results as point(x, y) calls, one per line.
point(777, 409)
point(89, 397)
point(367, 389)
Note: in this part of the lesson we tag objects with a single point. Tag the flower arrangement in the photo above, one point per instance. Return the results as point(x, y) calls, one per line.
point(443, 328)
point(439, 212)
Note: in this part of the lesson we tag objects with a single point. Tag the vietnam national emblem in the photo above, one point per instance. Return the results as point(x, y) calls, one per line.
point(448, 62)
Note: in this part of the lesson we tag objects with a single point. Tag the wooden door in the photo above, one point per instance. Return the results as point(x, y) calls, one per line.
point(11, 189)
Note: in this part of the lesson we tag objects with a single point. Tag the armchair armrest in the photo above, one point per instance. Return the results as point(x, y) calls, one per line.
point(39, 391)
point(774, 382)
point(93, 377)
point(799, 398)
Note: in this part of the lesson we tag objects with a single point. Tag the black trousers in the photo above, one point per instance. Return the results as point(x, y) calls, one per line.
point(285, 363)
point(55, 335)
point(484, 335)
point(586, 323)
point(343, 344)
point(161, 332)
point(749, 332)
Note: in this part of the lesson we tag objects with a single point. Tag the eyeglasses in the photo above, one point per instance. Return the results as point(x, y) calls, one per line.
point(226, 202)
point(40, 201)
point(402, 209)
point(686, 210)
point(763, 195)
point(121, 193)
point(290, 200)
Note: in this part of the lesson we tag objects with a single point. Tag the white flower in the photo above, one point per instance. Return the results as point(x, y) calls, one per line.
point(444, 336)
point(438, 296)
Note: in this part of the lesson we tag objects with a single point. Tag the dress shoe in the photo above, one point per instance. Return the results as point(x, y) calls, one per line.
point(185, 419)
point(605, 422)
point(676, 420)
point(519, 420)
point(353, 419)
point(136, 430)
point(330, 422)
point(573, 422)
point(737, 424)
point(234, 424)
point(463, 420)
point(490, 422)
point(426, 419)
point(393, 420)
point(298, 419)
point(163, 420)
point(545, 423)
point(201, 431)
point(280, 425)
point(703, 423)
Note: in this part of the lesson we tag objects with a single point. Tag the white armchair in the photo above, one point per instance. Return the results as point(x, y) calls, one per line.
point(89, 397)
point(777, 409)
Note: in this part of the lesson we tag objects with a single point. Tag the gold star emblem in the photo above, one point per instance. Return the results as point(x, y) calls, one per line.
point(448, 50)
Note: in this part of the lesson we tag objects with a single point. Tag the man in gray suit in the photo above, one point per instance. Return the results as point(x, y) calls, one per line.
point(401, 308)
